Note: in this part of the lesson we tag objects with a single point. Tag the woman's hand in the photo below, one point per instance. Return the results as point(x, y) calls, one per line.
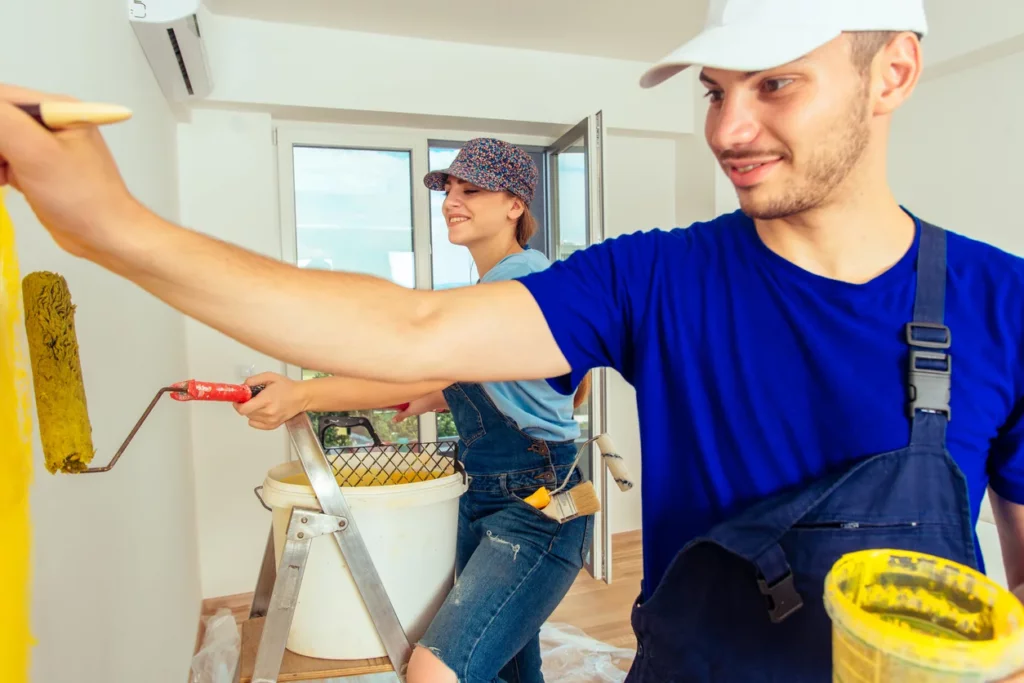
point(431, 403)
point(281, 399)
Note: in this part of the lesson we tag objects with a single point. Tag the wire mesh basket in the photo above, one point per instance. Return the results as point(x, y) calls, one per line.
point(381, 464)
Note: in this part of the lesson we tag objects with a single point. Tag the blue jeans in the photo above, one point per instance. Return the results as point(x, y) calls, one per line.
point(514, 564)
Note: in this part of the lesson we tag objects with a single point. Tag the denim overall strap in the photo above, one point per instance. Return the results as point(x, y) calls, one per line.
point(929, 338)
point(744, 601)
point(469, 401)
point(492, 445)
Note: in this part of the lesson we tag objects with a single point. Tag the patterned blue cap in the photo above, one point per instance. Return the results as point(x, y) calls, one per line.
point(492, 164)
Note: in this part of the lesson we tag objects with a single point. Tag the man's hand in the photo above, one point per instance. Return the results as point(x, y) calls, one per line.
point(281, 400)
point(69, 177)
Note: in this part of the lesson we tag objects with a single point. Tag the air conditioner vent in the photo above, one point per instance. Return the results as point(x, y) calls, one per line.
point(181, 62)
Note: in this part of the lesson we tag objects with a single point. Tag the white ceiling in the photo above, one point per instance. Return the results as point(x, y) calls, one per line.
point(643, 30)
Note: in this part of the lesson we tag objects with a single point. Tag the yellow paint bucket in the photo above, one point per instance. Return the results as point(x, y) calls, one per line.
point(915, 618)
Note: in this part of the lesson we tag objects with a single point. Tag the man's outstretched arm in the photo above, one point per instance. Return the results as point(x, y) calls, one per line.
point(376, 329)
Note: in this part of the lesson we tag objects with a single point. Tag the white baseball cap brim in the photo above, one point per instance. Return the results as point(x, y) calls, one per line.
point(741, 47)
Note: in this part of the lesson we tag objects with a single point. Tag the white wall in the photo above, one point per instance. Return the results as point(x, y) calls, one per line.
point(954, 151)
point(229, 190)
point(956, 28)
point(115, 584)
point(954, 157)
point(272, 64)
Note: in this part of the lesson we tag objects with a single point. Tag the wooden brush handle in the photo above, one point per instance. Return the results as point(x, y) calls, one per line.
point(60, 115)
point(614, 462)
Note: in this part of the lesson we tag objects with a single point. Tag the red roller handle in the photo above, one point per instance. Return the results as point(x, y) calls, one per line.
point(404, 406)
point(194, 390)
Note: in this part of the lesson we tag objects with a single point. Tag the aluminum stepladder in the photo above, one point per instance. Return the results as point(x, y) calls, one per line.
point(277, 589)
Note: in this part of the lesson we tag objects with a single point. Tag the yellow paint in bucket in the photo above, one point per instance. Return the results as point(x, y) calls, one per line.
point(371, 476)
point(900, 616)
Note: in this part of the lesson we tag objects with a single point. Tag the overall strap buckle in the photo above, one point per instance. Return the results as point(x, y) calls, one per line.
point(775, 581)
point(928, 373)
point(781, 596)
point(930, 370)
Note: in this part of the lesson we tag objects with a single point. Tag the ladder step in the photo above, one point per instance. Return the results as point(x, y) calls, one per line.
point(295, 667)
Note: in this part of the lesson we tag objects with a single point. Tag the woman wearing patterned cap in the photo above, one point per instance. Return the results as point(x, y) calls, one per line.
point(514, 564)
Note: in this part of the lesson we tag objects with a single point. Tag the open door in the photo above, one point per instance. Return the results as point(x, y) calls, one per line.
point(575, 194)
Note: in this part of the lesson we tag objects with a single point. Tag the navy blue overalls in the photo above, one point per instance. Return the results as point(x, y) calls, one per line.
point(743, 604)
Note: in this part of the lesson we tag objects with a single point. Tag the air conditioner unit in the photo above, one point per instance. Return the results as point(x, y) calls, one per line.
point(169, 33)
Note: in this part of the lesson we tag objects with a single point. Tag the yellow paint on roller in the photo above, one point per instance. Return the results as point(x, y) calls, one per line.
point(15, 466)
point(57, 373)
point(373, 476)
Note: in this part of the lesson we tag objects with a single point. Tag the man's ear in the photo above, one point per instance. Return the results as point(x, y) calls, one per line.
point(895, 72)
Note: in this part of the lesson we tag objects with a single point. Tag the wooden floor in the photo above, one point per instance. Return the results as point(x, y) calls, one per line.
point(600, 610)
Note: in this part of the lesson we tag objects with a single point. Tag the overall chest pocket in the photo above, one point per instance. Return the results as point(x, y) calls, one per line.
point(813, 547)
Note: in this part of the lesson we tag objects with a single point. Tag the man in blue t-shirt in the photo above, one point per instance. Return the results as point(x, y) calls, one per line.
point(792, 360)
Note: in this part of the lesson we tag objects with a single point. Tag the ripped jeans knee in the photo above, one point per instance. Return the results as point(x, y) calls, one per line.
point(426, 666)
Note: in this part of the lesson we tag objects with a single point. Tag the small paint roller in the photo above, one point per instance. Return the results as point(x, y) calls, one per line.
point(614, 462)
point(64, 427)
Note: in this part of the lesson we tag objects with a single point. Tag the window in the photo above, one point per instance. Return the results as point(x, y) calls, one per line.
point(353, 212)
point(452, 265)
point(572, 209)
point(570, 175)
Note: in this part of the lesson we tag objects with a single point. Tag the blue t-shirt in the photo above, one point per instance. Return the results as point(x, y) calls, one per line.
point(753, 375)
point(536, 407)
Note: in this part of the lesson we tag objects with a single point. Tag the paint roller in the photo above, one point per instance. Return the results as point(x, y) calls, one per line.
point(64, 427)
point(614, 462)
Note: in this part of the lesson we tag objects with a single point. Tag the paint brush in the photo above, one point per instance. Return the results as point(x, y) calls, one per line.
point(579, 501)
point(62, 115)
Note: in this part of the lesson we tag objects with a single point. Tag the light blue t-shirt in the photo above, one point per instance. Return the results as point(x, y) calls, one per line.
point(538, 409)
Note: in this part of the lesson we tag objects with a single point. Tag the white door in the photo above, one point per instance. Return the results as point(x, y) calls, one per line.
point(575, 204)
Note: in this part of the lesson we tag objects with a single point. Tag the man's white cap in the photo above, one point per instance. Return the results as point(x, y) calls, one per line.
point(754, 35)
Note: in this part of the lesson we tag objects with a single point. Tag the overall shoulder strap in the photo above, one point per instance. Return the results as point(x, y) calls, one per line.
point(929, 366)
point(471, 401)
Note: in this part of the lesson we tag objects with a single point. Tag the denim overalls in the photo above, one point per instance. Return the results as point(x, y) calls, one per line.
point(514, 564)
point(743, 604)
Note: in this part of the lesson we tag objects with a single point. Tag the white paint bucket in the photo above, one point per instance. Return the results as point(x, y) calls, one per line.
point(410, 532)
